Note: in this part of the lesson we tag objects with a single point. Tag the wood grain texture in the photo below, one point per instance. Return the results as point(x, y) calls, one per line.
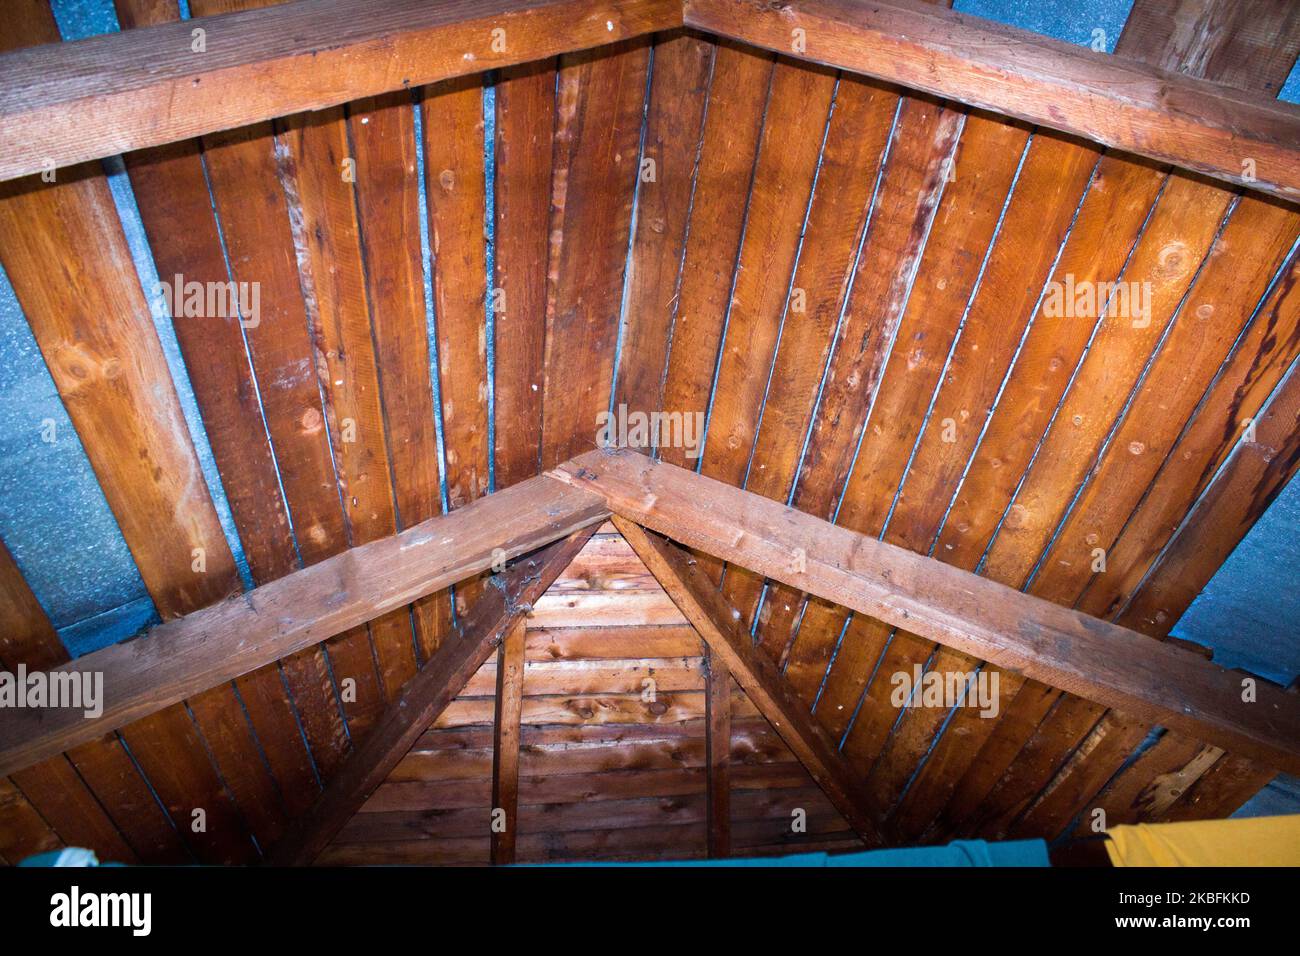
point(719, 625)
point(187, 656)
point(499, 610)
point(505, 743)
point(1202, 126)
point(147, 87)
point(600, 104)
point(1041, 640)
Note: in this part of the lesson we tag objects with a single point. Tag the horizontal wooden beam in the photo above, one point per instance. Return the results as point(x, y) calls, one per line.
point(504, 604)
point(1148, 679)
point(1212, 129)
point(219, 643)
point(65, 103)
point(719, 624)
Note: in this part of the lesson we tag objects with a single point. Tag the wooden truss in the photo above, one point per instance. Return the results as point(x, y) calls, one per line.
point(659, 508)
point(66, 103)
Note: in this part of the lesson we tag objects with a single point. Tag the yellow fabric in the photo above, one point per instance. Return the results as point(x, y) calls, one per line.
point(1255, 841)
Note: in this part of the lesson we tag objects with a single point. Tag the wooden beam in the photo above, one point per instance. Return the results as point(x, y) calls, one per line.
point(1189, 122)
point(1064, 648)
point(65, 103)
point(717, 745)
point(720, 625)
point(505, 744)
point(498, 613)
point(201, 650)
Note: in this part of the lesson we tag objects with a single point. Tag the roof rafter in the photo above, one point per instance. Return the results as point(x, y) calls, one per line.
point(219, 643)
point(149, 86)
point(1065, 648)
point(719, 624)
point(502, 608)
point(64, 103)
point(1196, 124)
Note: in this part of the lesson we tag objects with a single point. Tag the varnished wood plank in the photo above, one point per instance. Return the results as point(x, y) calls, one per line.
point(499, 610)
point(1046, 642)
point(679, 88)
point(600, 102)
point(453, 149)
point(1205, 127)
point(146, 87)
point(188, 655)
point(728, 153)
point(525, 102)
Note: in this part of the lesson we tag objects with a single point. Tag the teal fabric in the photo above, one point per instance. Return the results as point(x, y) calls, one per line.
point(957, 853)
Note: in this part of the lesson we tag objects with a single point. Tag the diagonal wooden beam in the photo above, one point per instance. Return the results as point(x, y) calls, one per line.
point(505, 744)
point(502, 608)
point(719, 624)
point(219, 643)
point(1170, 117)
point(65, 103)
point(1154, 681)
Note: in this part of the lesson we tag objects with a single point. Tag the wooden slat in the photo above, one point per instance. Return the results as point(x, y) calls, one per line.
point(765, 685)
point(1202, 126)
point(499, 610)
point(505, 743)
point(679, 88)
point(1041, 640)
point(147, 87)
point(525, 102)
point(221, 642)
point(728, 154)
point(600, 103)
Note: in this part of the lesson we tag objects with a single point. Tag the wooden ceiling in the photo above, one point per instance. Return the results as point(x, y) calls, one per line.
point(846, 276)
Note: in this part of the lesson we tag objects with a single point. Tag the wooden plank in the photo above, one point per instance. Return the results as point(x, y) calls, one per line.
point(381, 131)
point(95, 329)
point(794, 129)
point(764, 452)
point(1202, 126)
point(204, 649)
point(1029, 471)
point(499, 611)
point(171, 191)
point(1052, 176)
point(93, 326)
point(679, 88)
point(728, 156)
point(1203, 40)
point(453, 149)
point(766, 687)
point(1245, 44)
point(600, 102)
point(872, 386)
point(612, 642)
point(147, 87)
point(505, 744)
point(718, 743)
point(525, 130)
point(1041, 640)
